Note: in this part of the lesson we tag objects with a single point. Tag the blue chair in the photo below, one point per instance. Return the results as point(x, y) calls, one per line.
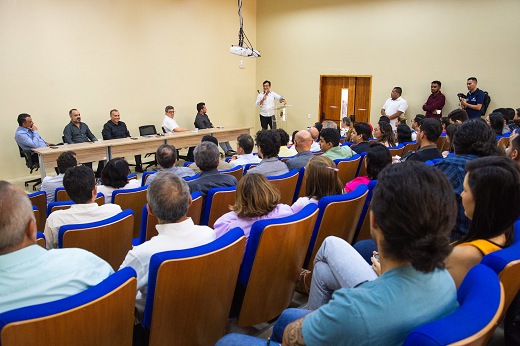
point(186, 309)
point(441, 140)
point(286, 184)
point(338, 216)
point(235, 171)
point(60, 195)
point(110, 239)
point(429, 162)
point(397, 150)
point(192, 177)
point(40, 239)
point(299, 190)
point(39, 200)
point(145, 176)
point(187, 163)
point(481, 299)
point(271, 266)
point(436, 160)
point(227, 159)
point(247, 166)
point(218, 201)
point(131, 176)
point(410, 146)
point(362, 169)
point(101, 314)
point(347, 168)
point(363, 226)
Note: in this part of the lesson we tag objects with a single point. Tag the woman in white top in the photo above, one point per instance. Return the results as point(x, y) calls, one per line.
point(321, 179)
point(114, 177)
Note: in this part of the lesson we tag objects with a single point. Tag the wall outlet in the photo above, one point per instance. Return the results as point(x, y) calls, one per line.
point(309, 116)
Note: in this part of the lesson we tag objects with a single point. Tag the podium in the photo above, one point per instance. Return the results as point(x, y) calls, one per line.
point(280, 117)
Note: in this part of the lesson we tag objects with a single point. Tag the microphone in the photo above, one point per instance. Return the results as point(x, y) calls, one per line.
point(258, 91)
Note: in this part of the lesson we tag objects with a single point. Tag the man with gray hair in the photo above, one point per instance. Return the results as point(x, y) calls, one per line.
point(168, 199)
point(207, 158)
point(166, 157)
point(29, 274)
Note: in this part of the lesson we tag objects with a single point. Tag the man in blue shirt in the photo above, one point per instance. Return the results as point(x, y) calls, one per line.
point(27, 136)
point(474, 100)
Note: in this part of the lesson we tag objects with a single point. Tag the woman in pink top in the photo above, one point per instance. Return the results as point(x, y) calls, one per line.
point(256, 199)
point(378, 157)
point(321, 179)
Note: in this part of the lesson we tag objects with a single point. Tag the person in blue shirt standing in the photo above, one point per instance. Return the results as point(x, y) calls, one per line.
point(474, 99)
point(27, 136)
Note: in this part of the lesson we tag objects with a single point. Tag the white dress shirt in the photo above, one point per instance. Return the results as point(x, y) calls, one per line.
point(108, 190)
point(315, 146)
point(245, 159)
point(76, 214)
point(267, 107)
point(392, 106)
point(169, 124)
point(172, 236)
point(49, 185)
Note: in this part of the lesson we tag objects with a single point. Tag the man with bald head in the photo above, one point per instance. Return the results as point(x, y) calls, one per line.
point(315, 133)
point(29, 274)
point(302, 143)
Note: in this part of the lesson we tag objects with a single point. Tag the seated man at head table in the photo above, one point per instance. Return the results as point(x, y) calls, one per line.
point(27, 136)
point(169, 124)
point(115, 128)
point(80, 184)
point(29, 274)
point(202, 122)
point(78, 132)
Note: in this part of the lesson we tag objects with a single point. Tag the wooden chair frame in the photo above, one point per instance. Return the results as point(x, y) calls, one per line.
point(133, 199)
point(217, 204)
point(286, 184)
point(39, 200)
point(347, 168)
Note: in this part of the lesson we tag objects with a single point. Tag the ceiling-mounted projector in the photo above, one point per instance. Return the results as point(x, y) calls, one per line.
point(243, 48)
point(243, 51)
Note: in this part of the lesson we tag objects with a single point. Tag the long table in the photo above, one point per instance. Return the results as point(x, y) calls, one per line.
point(108, 149)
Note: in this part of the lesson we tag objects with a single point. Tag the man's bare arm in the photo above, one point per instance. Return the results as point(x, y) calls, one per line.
point(395, 115)
point(293, 335)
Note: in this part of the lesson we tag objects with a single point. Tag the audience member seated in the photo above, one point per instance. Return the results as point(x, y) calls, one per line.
point(302, 144)
point(384, 134)
point(458, 116)
point(497, 123)
point(245, 145)
point(508, 114)
point(80, 184)
point(404, 134)
point(513, 151)
point(284, 140)
point(429, 132)
point(256, 199)
point(377, 158)
point(384, 118)
point(30, 274)
point(65, 161)
point(207, 157)
point(360, 135)
point(315, 133)
point(450, 133)
point(413, 286)
point(445, 123)
point(322, 180)
point(491, 199)
point(166, 157)
point(115, 177)
point(346, 128)
point(222, 166)
point(168, 199)
point(27, 136)
point(329, 144)
point(268, 145)
point(329, 124)
point(473, 139)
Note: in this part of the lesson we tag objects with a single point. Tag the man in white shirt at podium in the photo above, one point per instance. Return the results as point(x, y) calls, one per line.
point(265, 101)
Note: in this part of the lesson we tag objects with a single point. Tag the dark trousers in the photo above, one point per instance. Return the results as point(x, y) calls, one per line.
point(138, 162)
point(101, 165)
point(264, 121)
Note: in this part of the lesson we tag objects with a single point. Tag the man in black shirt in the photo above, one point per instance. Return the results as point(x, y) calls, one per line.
point(202, 122)
point(360, 135)
point(427, 136)
point(117, 129)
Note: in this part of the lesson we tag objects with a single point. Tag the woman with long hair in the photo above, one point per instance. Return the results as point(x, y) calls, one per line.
point(114, 176)
point(377, 158)
point(384, 134)
point(321, 179)
point(496, 122)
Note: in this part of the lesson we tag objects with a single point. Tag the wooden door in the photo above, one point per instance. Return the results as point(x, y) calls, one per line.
point(357, 103)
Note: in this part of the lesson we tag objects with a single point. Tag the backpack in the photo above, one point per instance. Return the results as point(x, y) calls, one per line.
point(485, 104)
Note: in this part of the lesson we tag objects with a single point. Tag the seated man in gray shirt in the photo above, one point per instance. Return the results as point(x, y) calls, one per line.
point(167, 157)
point(268, 144)
point(302, 144)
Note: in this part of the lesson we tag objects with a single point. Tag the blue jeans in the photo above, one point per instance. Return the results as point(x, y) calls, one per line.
point(286, 318)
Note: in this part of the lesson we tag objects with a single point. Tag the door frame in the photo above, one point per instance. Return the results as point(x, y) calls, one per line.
point(346, 76)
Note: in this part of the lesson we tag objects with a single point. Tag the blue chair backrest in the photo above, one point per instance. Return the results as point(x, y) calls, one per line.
point(248, 165)
point(105, 287)
point(360, 162)
point(236, 168)
point(480, 297)
point(399, 146)
point(53, 204)
point(145, 176)
point(56, 193)
point(156, 260)
point(322, 205)
point(498, 260)
point(299, 184)
point(283, 176)
point(112, 219)
point(429, 162)
point(371, 185)
point(436, 160)
point(209, 201)
point(117, 192)
point(187, 163)
point(256, 233)
point(353, 158)
point(40, 235)
point(192, 177)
